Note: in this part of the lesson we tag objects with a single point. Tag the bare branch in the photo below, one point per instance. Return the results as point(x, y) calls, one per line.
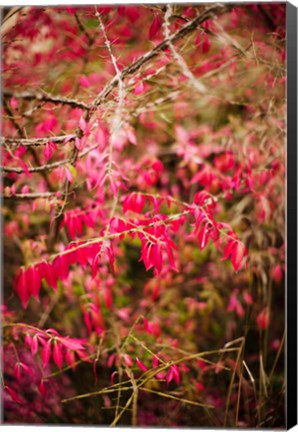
point(34, 142)
point(49, 167)
point(30, 195)
point(179, 59)
point(217, 8)
point(116, 121)
point(46, 97)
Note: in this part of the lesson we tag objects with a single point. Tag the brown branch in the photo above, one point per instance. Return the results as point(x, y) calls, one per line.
point(49, 167)
point(30, 195)
point(54, 228)
point(46, 97)
point(82, 28)
point(217, 8)
point(34, 142)
point(22, 135)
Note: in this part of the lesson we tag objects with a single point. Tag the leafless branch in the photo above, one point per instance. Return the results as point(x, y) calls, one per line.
point(48, 167)
point(35, 142)
point(45, 97)
point(30, 195)
point(217, 8)
point(179, 59)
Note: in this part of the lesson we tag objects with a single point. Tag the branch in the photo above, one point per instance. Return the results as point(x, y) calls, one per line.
point(94, 240)
point(217, 8)
point(34, 142)
point(51, 166)
point(179, 59)
point(30, 196)
point(82, 28)
point(116, 121)
point(22, 135)
point(46, 97)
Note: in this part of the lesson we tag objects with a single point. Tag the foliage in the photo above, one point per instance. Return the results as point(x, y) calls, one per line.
point(143, 207)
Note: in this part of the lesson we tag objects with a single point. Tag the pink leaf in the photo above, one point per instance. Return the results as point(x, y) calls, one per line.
point(139, 89)
point(206, 45)
point(128, 360)
point(57, 355)
point(13, 103)
point(25, 168)
point(78, 143)
point(82, 124)
point(203, 236)
point(68, 175)
point(263, 319)
point(17, 371)
point(13, 394)
point(33, 278)
point(46, 353)
point(198, 39)
point(84, 81)
point(170, 375)
point(34, 345)
point(176, 373)
point(22, 287)
point(239, 255)
point(70, 359)
point(48, 151)
point(42, 388)
point(141, 365)
point(155, 26)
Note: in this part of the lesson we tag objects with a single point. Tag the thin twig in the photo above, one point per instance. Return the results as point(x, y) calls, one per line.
point(217, 8)
point(179, 59)
point(35, 142)
point(49, 167)
point(31, 195)
point(45, 97)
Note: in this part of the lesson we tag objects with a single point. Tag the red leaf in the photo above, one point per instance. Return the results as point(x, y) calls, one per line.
point(84, 82)
point(13, 103)
point(70, 359)
point(128, 360)
point(42, 388)
point(155, 26)
point(33, 279)
point(82, 124)
point(108, 297)
point(229, 249)
point(176, 373)
point(170, 375)
point(48, 151)
point(34, 345)
point(239, 255)
point(247, 298)
point(22, 287)
point(25, 168)
point(60, 267)
point(57, 355)
point(203, 236)
point(206, 45)
point(72, 344)
point(113, 377)
point(139, 89)
point(198, 39)
point(94, 266)
point(13, 394)
point(17, 371)
point(46, 353)
point(46, 272)
point(141, 365)
point(263, 319)
point(68, 175)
